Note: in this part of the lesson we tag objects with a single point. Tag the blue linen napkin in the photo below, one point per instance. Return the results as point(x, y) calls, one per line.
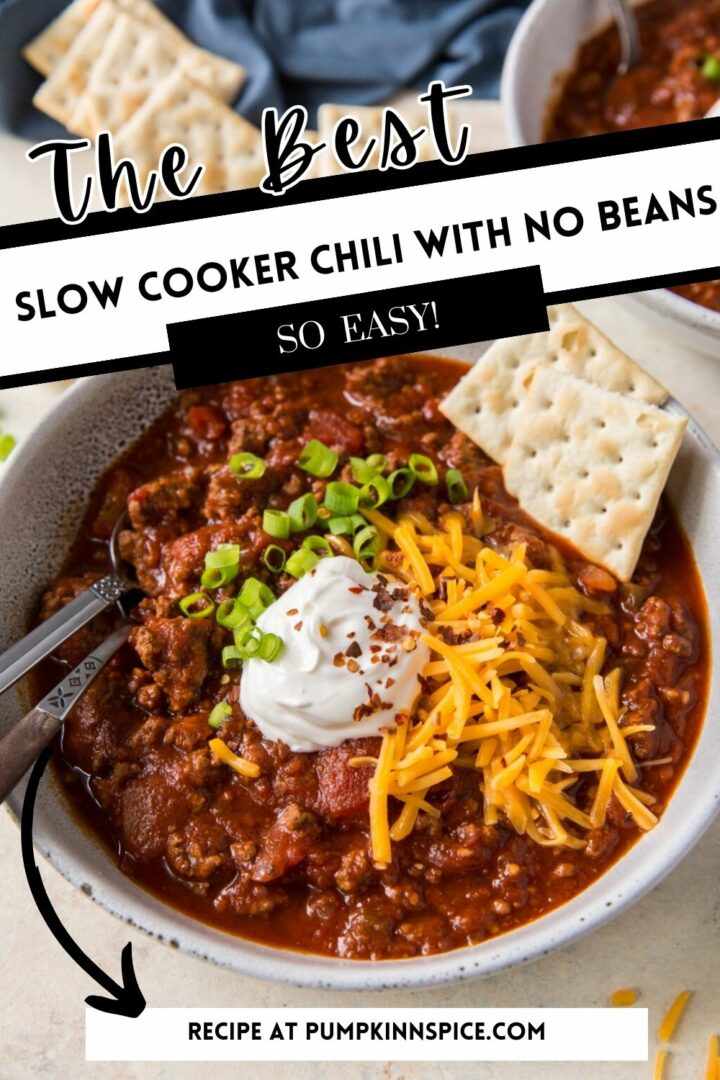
point(298, 51)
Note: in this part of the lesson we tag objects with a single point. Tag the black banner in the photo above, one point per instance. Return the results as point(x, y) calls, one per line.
point(359, 326)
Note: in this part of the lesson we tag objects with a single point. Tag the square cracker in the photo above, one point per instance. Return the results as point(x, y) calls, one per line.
point(59, 94)
point(485, 403)
point(134, 59)
point(46, 50)
point(590, 464)
point(141, 51)
point(370, 118)
point(214, 135)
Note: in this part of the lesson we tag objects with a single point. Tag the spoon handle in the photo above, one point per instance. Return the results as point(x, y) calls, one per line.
point(629, 31)
point(40, 642)
point(22, 743)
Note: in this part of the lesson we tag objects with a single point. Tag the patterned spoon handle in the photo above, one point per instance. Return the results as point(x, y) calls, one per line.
point(22, 743)
point(45, 638)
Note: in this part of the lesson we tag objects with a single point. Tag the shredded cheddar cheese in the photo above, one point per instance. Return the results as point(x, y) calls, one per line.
point(711, 1068)
point(621, 999)
point(672, 1017)
point(241, 765)
point(660, 1060)
point(492, 617)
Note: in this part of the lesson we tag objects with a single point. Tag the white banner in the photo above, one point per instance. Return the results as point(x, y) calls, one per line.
point(369, 1035)
point(109, 296)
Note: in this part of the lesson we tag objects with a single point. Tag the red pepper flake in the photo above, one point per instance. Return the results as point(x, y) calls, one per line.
point(352, 665)
point(383, 600)
point(370, 622)
point(351, 634)
point(298, 625)
point(357, 589)
point(292, 611)
point(354, 649)
point(374, 659)
point(389, 682)
point(426, 612)
point(376, 648)
point(339, 659)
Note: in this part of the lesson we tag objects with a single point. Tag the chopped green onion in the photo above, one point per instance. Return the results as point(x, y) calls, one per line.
point(374, 493)
point(300, 562)
point(255, 596)
point(247, 639)
point(7, 445)
point(231, 657)
point(223, 555)
point(221, 566)
point(346, 526)
point(401, 483)
point(711, 69)
point(270, 647)
point(341, 498)
point(247, 466)
point(365, 469)
point(276, 523)
point(274, 558)
point(303, 512)
point(215, 577)
point(424, 468)
point(189, 602)
point(457, 489)
point(317, 459)
point(366, 546)
point(219, 714)
point(318, 544)
point(231, 614)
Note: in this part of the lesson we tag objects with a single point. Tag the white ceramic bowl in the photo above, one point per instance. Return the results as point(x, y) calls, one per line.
point(42, 496)
point(542, 52)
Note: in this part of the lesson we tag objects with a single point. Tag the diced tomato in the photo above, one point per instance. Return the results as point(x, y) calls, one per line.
point(334, 430)
point(342, 787)
point(207, 422)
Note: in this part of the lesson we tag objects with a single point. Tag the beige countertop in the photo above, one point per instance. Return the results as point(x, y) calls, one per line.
point(665, 943)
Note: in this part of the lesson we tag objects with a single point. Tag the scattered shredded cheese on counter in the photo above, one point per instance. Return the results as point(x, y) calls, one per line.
point(494, 616)
point(672, 1017)
point(621, 999)
point(713, 1064)
point(660, 1059)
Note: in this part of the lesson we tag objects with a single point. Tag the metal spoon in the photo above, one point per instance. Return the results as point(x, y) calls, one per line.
point(45, 638)
point(23, 742)
point(629, 31)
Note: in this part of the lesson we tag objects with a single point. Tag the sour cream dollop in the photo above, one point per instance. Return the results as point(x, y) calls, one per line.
point(350, 660)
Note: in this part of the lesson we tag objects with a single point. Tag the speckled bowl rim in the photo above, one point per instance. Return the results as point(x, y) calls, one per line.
point(85, 863)
point(685, 320)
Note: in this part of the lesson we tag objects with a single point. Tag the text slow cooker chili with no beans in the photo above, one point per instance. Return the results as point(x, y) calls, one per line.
point(285, 858)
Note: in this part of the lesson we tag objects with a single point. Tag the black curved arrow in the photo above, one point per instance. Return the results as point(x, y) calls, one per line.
point(127, 999)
